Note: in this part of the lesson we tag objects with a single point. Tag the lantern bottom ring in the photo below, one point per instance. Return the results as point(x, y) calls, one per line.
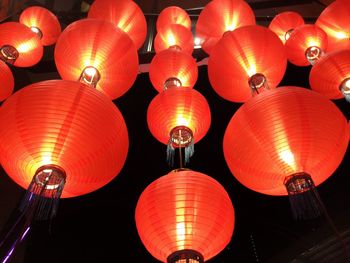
point(185, 256)
point(181, 136)
point(50, 176)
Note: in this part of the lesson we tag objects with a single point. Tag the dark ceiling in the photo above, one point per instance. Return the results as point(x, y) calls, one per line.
point(100, 227)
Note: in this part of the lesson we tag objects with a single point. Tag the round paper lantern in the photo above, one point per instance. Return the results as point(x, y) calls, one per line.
point(99, 54)
point(19, 45)
point(306, 44)
point(173, 15)
point(184, 215)
point(283, 132)
point(250, 56)
point(330, 76)
point(7, 81)
point(174, 35)
point(284, 23)
point(334, 20)
point(43, 22)
point(63, 126)
point(220, 16)
point(125, 14)
point(173, 64)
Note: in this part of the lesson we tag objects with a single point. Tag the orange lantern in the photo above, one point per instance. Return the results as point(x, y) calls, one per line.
point(7, 81)
point(125, 14)
point(19, 45)
point(184, 216)
point(173, 64)
point(330, 76)
point(43, 22)
point(220, 16)
point(306, 44)
point(334, 20)
point(284, 23)
point(277, 143)
point(98, 54)
point(173, 15)
point(174, 35)
point(248, 58)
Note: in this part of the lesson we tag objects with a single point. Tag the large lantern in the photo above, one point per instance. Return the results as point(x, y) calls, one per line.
point(7, 81)
point(184, 216)
point(248, 58)
point(173, 15)
point(99, 54)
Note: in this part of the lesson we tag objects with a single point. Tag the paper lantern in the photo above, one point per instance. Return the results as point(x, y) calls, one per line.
point(334, 20)
point(99, 54)
point(184, 216)
point(330, 76)
point(220, 16)
point(19, 45)
point(173, 64)
point(174, 35)
point(125, 14)
point(306, 44)
point(7, 81)
point(250, 56)
point(173, 15)
point(43, 22)
point(284, 23)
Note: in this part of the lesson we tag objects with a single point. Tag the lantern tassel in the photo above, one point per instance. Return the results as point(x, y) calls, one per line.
point(189, 151)
point(170, 153)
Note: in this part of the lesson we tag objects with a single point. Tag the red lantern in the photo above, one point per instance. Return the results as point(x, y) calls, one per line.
point(99, 54)
point(284, 23)
point(306, 44)
point(19, 45)
point(174, 35)
point(173, 64)
point(125, 14)
point(334, 20)
point(330, 76)
point(7, 81)
point(250, 56)
point(43, 22)
point(184, 215)
point(66, 127)
point(173, 15)
point(220, 16)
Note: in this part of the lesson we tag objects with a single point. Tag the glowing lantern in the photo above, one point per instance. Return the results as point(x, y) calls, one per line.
point(174, 35)
point(277, 143)
point(334, 20)
point(220, 16)
point(248, 58)
point(306, 44)
point(98, 54)
point(19, 45)
point(284, 23)
point(43, 22)
point(7, 81)
point(173, 15)
point(125, 14)
point(173, 64)
point(184, 216)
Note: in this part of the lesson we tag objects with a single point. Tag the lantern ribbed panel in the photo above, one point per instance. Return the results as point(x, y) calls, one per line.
point(43, 19)
point(24, 40)
point(329, 72)
point(334, 20)
point(7, 81)
point(65, 123)
point(184, 210)
point(171, 63)
point(97, 43)
point(219, 16)
point(125, 14)
point(174, 35)
point(242, 53)
point(178, 106)
point(285, 21)
point(173, 15)
point(281, 132)
point(301, 39)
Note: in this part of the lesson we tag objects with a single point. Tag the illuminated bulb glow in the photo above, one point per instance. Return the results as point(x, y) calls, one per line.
point(37, 31)
point(341, 35)
point(172, 83)
point(197, 42)
point(90, 76)
point(288, 33)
